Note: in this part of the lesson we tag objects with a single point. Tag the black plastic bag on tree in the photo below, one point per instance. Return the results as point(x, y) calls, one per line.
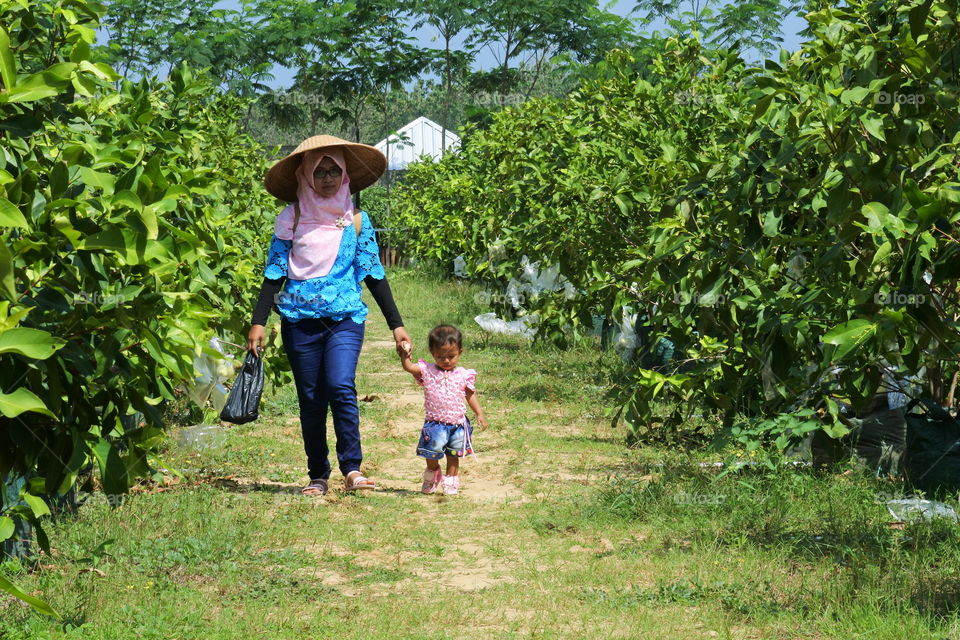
point(877, 439)
point(243, 403)
point(932, 457)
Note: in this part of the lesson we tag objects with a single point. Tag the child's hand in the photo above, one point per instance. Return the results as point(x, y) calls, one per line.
point(483, 421)
point(407, 348)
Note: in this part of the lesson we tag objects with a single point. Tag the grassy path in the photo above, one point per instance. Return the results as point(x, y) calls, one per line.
point(232, 551)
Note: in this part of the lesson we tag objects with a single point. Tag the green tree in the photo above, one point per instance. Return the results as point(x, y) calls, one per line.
point(512, 29)
point(754, 25)
point(128, 220)
point(791, 230)
point(145, 36)
point(450, 19)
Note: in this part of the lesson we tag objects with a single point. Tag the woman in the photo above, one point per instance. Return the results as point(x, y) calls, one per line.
point(323, 250)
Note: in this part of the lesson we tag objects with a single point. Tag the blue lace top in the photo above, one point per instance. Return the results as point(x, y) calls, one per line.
point(337, 294)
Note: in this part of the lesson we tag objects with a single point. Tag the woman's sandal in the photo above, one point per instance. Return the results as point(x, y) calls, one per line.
point(317, 487)
point(356, 481)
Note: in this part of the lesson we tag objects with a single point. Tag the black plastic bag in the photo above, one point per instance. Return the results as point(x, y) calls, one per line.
point(933, 449)
point(243, 403)
point(877, 440)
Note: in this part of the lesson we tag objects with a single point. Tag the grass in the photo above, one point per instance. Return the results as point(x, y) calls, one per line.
point(561, 531)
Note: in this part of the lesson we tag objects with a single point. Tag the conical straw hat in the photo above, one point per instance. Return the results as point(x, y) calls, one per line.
point(365, 165)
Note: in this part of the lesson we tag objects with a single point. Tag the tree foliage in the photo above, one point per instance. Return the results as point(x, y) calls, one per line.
point(129, 218)
point(144, 36)
point(792, 230)
point(755, 25)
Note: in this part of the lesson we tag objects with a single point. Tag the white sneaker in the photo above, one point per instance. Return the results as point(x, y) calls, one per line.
point(451, 485)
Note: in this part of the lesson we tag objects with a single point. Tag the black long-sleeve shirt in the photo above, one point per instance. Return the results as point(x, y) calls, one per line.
point(380, 289)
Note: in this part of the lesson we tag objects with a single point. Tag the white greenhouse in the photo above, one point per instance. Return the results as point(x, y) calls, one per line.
point(418, 138)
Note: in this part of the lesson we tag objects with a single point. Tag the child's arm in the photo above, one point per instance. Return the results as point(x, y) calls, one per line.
point(475, 405)
point(409, 365)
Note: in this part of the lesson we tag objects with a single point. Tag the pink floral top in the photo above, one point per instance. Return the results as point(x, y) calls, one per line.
point(444, 392)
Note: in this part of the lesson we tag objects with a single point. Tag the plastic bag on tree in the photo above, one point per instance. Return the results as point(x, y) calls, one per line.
point(211, 374)
point(524, 326)
point(516, 293)
point(625, 340)
point(460, 267)
point(877, 439)
point(931, 459)
point(243, 403)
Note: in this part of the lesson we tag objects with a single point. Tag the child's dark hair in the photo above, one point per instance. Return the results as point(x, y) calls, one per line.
point(444, 334)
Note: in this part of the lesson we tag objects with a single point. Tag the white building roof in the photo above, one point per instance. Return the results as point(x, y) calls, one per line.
point(421, 137)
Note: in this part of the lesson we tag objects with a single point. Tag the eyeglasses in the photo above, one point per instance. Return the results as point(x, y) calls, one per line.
point(320, 174)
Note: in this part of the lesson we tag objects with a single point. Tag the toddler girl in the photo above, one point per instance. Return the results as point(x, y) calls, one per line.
point(446, 431)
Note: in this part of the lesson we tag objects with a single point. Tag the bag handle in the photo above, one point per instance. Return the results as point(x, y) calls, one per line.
point(357, 220)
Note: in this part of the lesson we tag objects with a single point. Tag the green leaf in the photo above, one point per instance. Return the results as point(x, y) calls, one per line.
point(112, 469)
point(84, 86)
point(21, 401)
point(36, 603)
point(99, 70)
point(97, 179)
point(36, 504)
point(762, 105)
point(622, 204)
point(8, 64)
point(59, 179)
point(36, 87)
point(7, 286)
point(771, 224)
point(849, 336)
point(855, 95)
point(127, 198)
point(32, 343)
point(950, 192)
point(882, 252)
point(873, 123)
point(10, 215)
point(918, 18)
point(7, 527)
point(133, 247)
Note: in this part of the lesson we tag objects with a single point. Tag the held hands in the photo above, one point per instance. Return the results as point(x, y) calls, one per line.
point(404, 343)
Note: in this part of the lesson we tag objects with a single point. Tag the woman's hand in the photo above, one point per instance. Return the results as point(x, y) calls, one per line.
point(255, 339)
point(404, 343)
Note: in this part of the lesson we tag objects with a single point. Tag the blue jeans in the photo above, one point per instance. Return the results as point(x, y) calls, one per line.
point(438, 439)
point(323, 354)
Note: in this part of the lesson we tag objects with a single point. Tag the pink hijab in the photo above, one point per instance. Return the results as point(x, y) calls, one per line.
point(322, 220)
